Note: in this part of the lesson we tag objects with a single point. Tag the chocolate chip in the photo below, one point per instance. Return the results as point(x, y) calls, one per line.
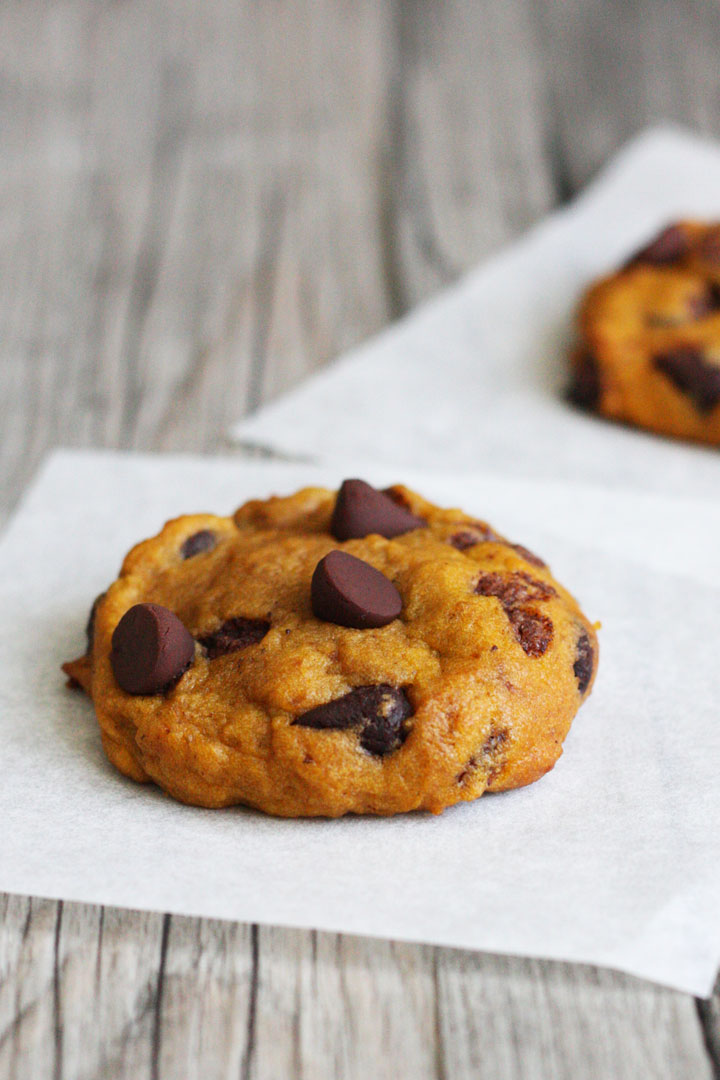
point(205, 540)
point(514, 589)
point(474, 532)
point(585, 388)
point(533, 630)
point(477, 532)
point(529, 556)
point(667, 247)
point(151, 649)
point(350, 592)
point(378, 713)
point(90, 627)
point(465, 539)
point(235, 633)
point(361, 510)
point(691, 373)
point(584, 661)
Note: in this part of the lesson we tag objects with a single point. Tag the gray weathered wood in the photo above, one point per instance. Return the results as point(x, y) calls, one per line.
point(615, 67)
point(709, 1013)
point(549, 1019)
point(492, 136)
point(473, 167)
point(199, 204)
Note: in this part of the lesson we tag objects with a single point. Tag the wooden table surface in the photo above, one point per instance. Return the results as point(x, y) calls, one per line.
point(200, 201)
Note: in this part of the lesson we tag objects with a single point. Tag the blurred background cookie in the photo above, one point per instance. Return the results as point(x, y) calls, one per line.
point(649, 350)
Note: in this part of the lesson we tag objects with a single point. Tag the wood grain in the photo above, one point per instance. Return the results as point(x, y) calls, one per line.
point(473, 168)
point(198, 205)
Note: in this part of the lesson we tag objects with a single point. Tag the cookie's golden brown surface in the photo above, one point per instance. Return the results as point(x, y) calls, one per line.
point(492, 654)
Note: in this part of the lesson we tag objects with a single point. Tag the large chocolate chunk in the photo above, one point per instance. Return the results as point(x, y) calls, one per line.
point(151, 649)
point(350, 592)
point(378, 713)
point(688, 369)
point(361, 510)
point(235, 633)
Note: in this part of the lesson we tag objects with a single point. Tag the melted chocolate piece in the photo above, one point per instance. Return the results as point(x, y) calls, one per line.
point(692, 374)
point(529, 556)
point(378, 713)
point(533, 629)
point(488, 755)
point(198, 543)
point(514, 589)
point(474, 532)
point(234, 634)
point(584, 661)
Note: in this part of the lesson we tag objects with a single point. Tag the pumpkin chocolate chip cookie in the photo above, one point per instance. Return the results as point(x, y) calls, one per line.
point(649, 351)
point(325, 653)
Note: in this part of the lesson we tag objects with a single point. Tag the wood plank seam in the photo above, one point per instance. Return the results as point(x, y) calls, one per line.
point(412, 181)
point(711, 1030)
point(557, 161)
point(157, 1028)
point(57, 995)
point(440, 1055)
point(270, 245)
point(98, 957)
point(249, 1055)
point(173, 109)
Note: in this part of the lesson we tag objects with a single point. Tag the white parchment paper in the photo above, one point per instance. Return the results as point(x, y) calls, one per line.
point(613, 858)
point(477, 375)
